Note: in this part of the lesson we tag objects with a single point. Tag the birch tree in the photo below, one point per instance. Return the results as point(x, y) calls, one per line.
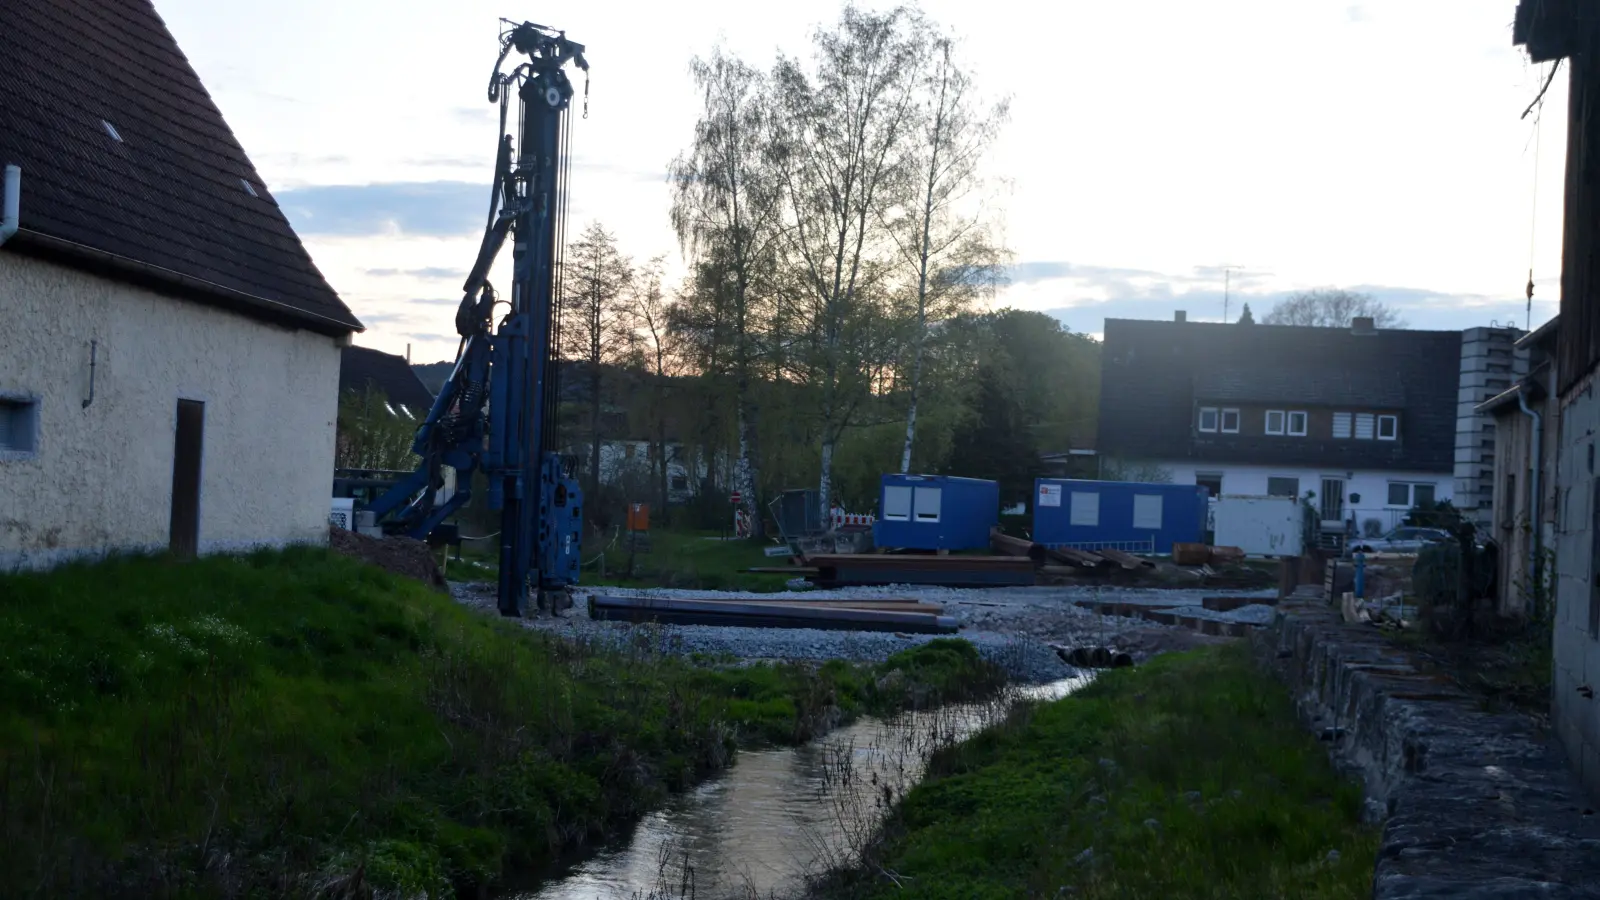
point(595, 327)
point(838, 146)
point(651, 313)
point(725, 206)
point(941, 236)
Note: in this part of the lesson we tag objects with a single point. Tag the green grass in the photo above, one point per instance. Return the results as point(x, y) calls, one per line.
point(688, 559)
point(1188, 778)
point(291, 722)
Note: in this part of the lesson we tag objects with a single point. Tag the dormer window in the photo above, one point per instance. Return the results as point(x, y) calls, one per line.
point(1275, 421)
point(111, 130)
point(1388, 428)
point(1230, 421)
point(1297, 424)
point(1208, 418)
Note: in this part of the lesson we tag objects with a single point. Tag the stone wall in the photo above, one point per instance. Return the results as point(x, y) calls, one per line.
point(1473, 804)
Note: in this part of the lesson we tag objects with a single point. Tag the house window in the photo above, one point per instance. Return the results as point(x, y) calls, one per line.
point(1211, 481)
point(1283, 487)
point(1402, 493)
point(1341, 425)
point(1274, 421)
point(1364, 426)
point(897, 503)
point(19, 426)
point(1297, 424)
point(1147, 511)
point(1388, 428)
point(1208, 418)
point(1230, 421)
point(1085, 509)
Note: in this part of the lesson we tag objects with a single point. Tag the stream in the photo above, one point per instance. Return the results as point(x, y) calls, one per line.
point(778, 815)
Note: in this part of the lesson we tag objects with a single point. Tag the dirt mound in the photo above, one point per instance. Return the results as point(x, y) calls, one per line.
point(401, 555)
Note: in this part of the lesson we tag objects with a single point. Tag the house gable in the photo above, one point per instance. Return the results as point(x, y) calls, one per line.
point(361, 367)
point(1157, 376)
point(130, 171)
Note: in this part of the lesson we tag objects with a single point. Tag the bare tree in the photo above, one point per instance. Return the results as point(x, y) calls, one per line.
point(1333, 308)
point(839, 145)
point(651, 314)
point(595, 327)
point(941, 236)
point(726, 206)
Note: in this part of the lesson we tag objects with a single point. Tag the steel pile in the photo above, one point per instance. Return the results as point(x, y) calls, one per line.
point(885, 615)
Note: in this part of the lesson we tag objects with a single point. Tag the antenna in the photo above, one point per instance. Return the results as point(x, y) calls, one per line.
point(1227, 288)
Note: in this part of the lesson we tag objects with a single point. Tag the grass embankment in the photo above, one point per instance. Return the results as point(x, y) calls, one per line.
point(1186, 778)
point(294, 723)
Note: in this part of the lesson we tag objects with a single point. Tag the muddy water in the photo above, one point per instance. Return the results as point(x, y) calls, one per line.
point(777, 815)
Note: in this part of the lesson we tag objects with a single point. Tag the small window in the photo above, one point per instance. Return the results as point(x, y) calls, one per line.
point(1297, 424)
point(1085, 508)
point(249, 188)
point(1230, 421)
point(19, 426)
point(1388, 428)
point(927, 503)
point(1147, 511)
point(1208, 418)
point(1211, 481)
point(1399, 494)
point(1275, 421)
point(897, 503)
point(1421, 494)
point(1341, 425)
point(1283, 487)
point(111, 130)
point(1364, 426)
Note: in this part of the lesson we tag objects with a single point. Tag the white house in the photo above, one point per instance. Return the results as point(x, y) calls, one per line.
point(169, 361)
point(1368, 422)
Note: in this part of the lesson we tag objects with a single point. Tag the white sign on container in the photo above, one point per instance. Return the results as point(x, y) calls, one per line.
point(1049, 495)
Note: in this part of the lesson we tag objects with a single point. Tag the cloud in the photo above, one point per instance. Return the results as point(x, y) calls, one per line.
point(1356, 13)
point(381, 318)
point(425, 208)
point(476, 115)
point(432, 301)
point(427, 273)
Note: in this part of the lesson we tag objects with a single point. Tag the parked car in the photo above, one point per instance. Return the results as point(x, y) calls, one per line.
point(1405, 539)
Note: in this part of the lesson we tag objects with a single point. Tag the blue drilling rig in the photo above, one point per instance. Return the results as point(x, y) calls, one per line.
point(496, 413)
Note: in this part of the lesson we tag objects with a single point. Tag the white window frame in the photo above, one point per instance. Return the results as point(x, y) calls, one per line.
point(1084, 513)
point(22, 417)
point(1394, 428)
point(924, 497)
point(1222, 421)
point(1283, 422)
point(1216, 419)
point(1288, 420)
point(897, 503)
point(1293, 478)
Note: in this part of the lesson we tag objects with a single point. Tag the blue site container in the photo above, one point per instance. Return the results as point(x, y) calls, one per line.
point(1117, 515)
point(936, 512)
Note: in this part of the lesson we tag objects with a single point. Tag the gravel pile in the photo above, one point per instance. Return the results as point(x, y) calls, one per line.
point(1015, 627)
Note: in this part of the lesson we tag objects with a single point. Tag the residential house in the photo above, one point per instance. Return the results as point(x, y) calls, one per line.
point(169, 364)
point(1566, 30)
point(1360, 420)
point(1527, 422)
point(363, 369)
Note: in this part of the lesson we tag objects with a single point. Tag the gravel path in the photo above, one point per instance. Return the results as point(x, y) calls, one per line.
point(1012, 626)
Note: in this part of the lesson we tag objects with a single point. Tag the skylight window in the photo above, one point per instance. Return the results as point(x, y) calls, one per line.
point(111, 130)
point(249, 188)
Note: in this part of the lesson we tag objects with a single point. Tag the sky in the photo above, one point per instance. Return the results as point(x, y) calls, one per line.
point(1376, 145)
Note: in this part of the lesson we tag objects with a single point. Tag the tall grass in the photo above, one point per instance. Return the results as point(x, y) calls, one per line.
point(294, 724)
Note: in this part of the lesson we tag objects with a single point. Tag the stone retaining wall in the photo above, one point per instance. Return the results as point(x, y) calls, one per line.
point(1473, 804)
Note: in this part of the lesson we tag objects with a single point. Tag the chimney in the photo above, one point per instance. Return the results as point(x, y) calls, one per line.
point(1180, 316)
point(408, 354)
point(1362, 325)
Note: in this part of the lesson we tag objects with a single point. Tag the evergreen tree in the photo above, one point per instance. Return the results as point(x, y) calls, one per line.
point(1246, 318)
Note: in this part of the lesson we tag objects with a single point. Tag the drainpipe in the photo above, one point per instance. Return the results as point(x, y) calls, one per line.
point(13, 201)
point(1533, 480)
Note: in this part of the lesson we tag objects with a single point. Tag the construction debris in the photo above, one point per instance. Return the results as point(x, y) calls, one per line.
point(853, 569)
point(765, 615)
point(403, 556)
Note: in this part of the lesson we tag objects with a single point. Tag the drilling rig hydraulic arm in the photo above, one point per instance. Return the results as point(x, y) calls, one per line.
point(496, 413)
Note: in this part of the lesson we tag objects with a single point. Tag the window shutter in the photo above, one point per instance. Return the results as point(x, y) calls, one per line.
point(1341, 425)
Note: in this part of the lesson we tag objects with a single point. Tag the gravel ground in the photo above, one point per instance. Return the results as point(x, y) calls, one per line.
point(1013, 626)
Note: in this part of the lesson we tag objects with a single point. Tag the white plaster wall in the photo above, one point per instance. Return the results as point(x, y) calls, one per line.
point(102, 476)
point(1371, 484)
point(1577, 653)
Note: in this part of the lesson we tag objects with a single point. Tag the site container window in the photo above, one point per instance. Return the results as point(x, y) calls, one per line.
point(1388, 428)
point(1208, 418)
point(1147, 511)
point(1364, 426)
point(1275, 421)
point(1283, 487)
point(1230, 421)
point(928, 499)
point(897, 503)
point(1297, 424)
point(1085, 508)
point(1341, 424)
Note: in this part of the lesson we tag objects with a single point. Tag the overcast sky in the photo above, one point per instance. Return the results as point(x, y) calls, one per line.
point(1373, 145)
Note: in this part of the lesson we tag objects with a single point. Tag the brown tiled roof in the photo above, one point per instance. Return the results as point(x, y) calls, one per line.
point(165, 204)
